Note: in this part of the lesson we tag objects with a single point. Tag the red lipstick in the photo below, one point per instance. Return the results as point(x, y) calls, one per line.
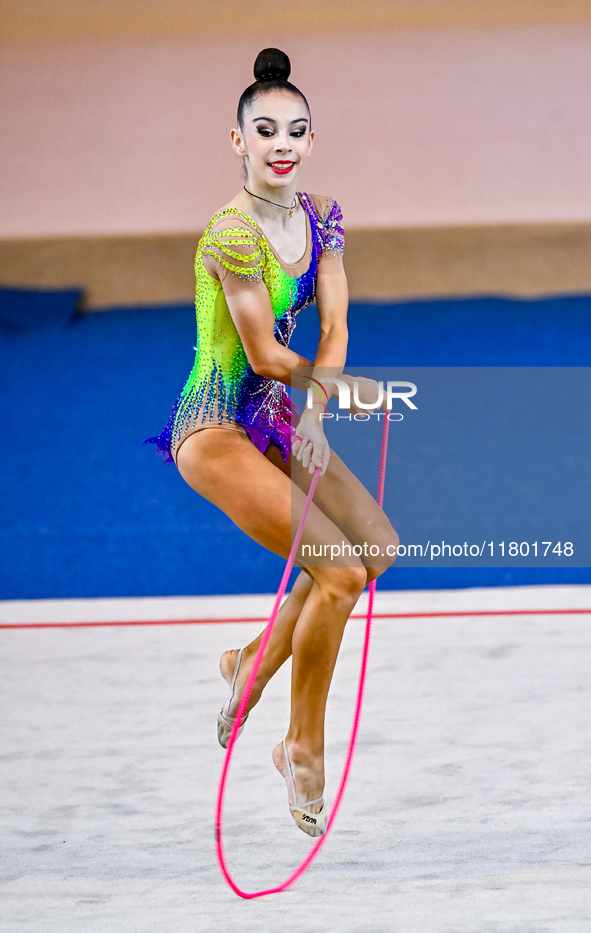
point(281, 167)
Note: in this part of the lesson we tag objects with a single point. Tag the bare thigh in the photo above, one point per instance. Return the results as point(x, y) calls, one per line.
point(343, 498)
point(227, 469)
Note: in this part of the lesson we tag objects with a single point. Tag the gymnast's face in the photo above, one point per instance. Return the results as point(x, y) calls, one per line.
point(275, 140)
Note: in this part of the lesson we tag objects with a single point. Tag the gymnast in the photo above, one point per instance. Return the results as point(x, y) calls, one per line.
point(270, 252)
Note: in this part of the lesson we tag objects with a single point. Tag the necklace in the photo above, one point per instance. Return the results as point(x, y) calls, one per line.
point(290, 209)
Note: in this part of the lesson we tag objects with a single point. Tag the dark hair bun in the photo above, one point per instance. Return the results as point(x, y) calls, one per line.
point(272, 65)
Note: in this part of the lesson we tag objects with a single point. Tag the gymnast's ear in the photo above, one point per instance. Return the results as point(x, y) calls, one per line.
point(237, 140)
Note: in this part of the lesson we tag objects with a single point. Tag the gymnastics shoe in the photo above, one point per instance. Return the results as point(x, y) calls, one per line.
point(225, 721)
point(312, 823)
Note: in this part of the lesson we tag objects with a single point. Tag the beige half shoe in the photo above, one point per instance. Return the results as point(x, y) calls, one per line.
point(225, 721)
point(314, 824)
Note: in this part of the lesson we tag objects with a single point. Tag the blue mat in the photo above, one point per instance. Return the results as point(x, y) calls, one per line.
point(87, 511)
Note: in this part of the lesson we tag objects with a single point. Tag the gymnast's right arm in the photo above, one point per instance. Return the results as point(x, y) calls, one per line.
point(232, 255)
point(249, 304)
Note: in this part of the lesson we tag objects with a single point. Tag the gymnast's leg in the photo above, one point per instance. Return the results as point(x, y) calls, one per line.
point(278, 649)
point(228, 470)
point(344, 499)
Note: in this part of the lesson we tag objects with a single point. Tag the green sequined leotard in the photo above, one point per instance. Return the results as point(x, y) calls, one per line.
point(222, 384)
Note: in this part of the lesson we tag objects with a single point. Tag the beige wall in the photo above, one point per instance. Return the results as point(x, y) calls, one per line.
point(520, 259)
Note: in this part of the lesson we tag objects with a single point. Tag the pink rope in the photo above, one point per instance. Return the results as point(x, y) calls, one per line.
point(252, 677)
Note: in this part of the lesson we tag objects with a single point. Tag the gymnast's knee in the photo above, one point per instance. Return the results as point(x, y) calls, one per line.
point(343, 584)
point(388, 550)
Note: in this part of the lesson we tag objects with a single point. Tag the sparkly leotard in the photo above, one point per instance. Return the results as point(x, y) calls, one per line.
point(223, 389)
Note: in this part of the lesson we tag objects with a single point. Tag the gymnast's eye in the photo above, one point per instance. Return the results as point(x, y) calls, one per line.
point(298, 133)
point(264, 131)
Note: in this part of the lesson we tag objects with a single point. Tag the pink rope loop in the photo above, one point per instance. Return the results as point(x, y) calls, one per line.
point(299, 871)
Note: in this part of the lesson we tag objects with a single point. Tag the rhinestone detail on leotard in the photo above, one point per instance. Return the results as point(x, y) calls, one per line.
point(222, 383)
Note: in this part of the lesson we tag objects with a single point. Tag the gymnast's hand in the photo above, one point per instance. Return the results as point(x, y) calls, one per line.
point(309, 444)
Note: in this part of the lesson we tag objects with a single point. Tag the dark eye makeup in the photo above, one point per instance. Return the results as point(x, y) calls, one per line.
point(267, 132)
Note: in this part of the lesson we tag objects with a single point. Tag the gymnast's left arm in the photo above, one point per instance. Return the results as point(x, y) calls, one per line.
point(332, 300)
